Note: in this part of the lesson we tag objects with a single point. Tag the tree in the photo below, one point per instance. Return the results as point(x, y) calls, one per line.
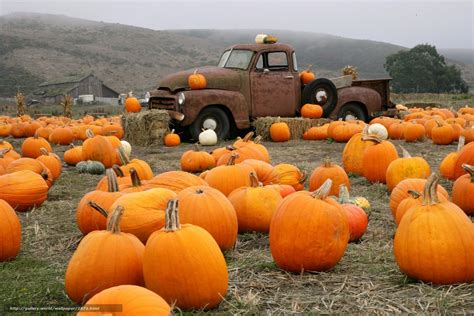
point(422, 69)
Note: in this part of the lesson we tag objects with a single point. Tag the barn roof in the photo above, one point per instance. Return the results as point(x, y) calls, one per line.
point(64, 85)
point(69, 79)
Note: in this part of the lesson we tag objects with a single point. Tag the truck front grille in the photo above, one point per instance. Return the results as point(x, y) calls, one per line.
point(163, 103)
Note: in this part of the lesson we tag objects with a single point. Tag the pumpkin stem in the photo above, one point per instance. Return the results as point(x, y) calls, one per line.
point(254, 183)
point(414, 194)
point(344, 196)
point(172, 131)
point(374, 138)
point(44, 151)
point(461, 142)
point(323, 190)
point(365, 131)
point(309, 67)
point(136, 182)
point(405, 152)
point(89, 133)
point(4, 151)
point(124, 159)
point(430, 195)
point(469, 169)
point(199, 191)
point(247, 137)
point(327, 163)
point(230, 147)
point(118, 171)
point(113, 223)
point(112, 183)
point(172, 216)
point(303, 178)
point(258, 139)
point(232, 158)
point(98, 208)
point(196, 147)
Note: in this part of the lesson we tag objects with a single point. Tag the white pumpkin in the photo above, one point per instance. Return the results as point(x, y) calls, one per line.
point(208, 137)
point(379, 130)
point(126, 147)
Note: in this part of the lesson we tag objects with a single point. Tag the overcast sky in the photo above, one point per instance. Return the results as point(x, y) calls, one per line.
point(446, 24)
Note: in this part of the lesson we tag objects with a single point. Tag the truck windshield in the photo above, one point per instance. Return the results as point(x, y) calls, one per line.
point(236, 58)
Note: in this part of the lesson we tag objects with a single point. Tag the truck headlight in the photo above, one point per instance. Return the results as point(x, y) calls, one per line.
point(181, 98)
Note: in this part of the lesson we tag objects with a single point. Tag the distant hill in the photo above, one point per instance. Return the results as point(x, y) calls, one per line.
point(41, 47)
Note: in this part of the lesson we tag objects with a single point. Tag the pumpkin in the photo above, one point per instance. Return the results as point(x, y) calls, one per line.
point(280, 132)
point(292, 175)
point(266, 173)
point(33, 165)
point(253, 148)
point(135, 185)
point(103, 184)
point(89, 215)
point(52, 162)
point(197, 161)
point(356, 216)
point(98, 148)
point(446, 168)
point(414, 132)
point(219, 152)
point(283, 189)
point(142, 167)
point(132, 105)
point(90, 167)
point(316, 133)
point(445, 259)
point(377, 158)
point(5, 145)
point(73, 155)
point(208, 137)
point(311, 111)
point(414, 198)
point(103, 259)
point(31, 147)
point(179, 259)
point(465, 156)
point(406, 167)
point(306, 76)
point(10, 232)
point(227, 178)
point(7, 156)
point(172, 139)
point(463, 190)
point(61, 136)
point(18, 130)
point(144, 211)
point(254, 205)
point(208, 208)
point(176, 180)
point(401, 192)
point(132, 299)
point(126, 147)
point(397, 130)
point(353, 153)
point(197, 81)
point(113, 130)
point(23, 189)
point(378, 130)
point(331, 171)
point(442, 134)
point(343, 132)
point(5, 130)
point(309, 232)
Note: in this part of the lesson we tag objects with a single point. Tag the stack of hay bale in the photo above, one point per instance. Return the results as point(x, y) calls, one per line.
point(297, 125)
point(146, 127)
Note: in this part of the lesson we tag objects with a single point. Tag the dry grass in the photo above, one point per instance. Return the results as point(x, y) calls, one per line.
point(297, 125)
point(146, 128)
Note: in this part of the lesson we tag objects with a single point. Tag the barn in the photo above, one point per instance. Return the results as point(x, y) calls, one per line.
point(52, 92)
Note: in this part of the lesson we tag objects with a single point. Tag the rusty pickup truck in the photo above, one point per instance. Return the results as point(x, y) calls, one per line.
point(257, 80)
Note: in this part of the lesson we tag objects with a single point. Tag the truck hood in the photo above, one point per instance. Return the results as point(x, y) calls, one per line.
point(216, 78)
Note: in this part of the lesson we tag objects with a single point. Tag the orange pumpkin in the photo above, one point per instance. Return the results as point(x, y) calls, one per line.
point(141, 167)
point(172, 139)
point(73, 155)
point(103, 259)
point(31, 147)
point(197, 81)
point(463, 190)
point(52, 162)
point(331, 171)
point(32, 165)
point(291, 175)
point(377, 158)
point(10, 232)
point(465, 156)
point(306, 76)
point(132, 105)
point(311, 111)
point(176, 180)
point(196, 160)
point(23, 189)
point(356, 216)
point(181, 258)
point(280, 132)
point(353, 153)
point(266, 173)
point(98, 148)
point(61, 136)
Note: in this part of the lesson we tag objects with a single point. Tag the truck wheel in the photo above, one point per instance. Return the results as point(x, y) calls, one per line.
point(321, 91)
point(352, 111)
point(211, 118)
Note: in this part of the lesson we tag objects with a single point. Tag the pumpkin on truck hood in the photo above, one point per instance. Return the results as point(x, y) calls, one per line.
point(216, 77)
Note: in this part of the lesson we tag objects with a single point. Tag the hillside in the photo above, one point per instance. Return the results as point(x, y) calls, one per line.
point(40, 47)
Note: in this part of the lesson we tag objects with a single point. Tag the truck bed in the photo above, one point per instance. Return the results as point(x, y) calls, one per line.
point(382, 86)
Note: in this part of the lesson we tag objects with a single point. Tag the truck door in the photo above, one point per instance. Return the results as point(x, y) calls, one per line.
point(273, 86)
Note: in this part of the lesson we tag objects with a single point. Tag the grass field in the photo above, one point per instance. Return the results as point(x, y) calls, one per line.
point(366, 280)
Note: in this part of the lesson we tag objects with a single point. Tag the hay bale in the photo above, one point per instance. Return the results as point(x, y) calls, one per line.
point(146, 128)
point(297, 125)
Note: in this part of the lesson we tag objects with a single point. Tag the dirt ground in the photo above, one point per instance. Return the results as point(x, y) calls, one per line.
point(366, 280)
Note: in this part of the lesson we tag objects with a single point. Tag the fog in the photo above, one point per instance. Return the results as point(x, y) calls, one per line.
point(446, 24)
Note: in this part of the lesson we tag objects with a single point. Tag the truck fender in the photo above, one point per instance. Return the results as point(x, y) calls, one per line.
point(368, 98)
point(233, 102)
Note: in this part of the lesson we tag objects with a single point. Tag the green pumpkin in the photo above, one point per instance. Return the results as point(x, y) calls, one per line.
point(91, 167)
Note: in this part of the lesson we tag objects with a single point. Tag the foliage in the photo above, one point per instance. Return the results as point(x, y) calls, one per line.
point(422, 69)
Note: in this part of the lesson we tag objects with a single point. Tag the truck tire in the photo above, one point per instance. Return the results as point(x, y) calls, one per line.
point(353, 111)
point(211, 118)
point(321, 85)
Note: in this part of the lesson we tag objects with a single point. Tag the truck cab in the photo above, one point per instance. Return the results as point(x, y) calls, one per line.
point(257, 80)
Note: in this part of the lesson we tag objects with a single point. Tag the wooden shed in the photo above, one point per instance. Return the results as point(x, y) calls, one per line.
point(52, 92)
